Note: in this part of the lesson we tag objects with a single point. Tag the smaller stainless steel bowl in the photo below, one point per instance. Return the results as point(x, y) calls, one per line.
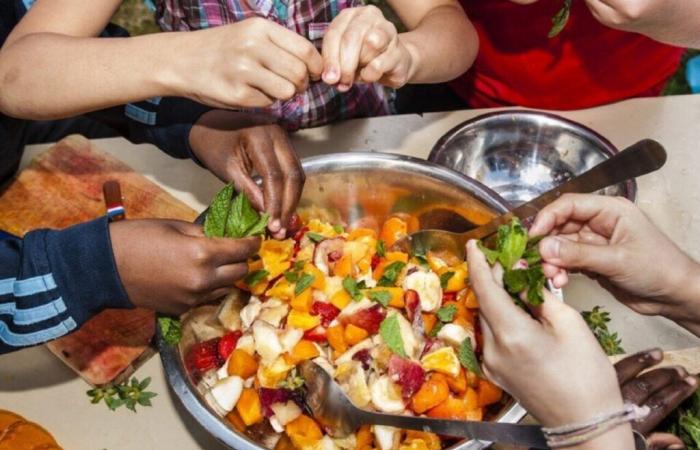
point(521, 154)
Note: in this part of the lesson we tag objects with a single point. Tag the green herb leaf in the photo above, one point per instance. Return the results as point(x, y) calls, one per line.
point(259, 228)
point(535, 281)
point(391, 273)
point(447, 313)
point(597, 320)
point(338, 229)
point(315, 237)
point(299, 265)
point(381, 297)
point(170, 329)
point(244, 220)
point(292, 277)
point(390, 331)
point(515, 281)
point(467, 357)
point(254, 278)
point(304, 282)
point(445, 278)
point(217, 215)
point(512, 241)
point(381, 248)
point(352, 287)
point(491, 255)
point(125, 394)
point(436, 329)
point(560, 19)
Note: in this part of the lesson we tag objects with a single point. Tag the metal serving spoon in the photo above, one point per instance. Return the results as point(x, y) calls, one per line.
point(639, 159)
point(334, 410)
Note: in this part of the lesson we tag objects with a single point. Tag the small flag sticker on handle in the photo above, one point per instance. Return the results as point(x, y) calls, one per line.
point(113, 200)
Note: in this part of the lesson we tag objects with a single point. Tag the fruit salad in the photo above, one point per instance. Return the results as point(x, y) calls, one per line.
point(398, 332)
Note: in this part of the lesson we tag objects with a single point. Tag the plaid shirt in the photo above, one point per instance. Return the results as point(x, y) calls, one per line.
point(320, 104)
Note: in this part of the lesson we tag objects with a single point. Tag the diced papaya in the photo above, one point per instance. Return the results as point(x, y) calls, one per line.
point(354, 334)
point(465, 322)
point(236, 422)
point(302, 302)
point(451, 408)
point(248, 407)
point(276, 256)
point(457, 281)
point(397, 256)
point(429, 321)
point(433, 392)
point(319, 277)
point(304, 432)
point(282, 289)
point(432, 441)
point(336, 339)
point(470, 399)
point(393, 230)
point(304, 350)
point(470, 300)
point(488, 393)
point(341, 299)
point(241, 364)
point(285, 443)
point(476, 415)
point(343, 267)
point(458, 384)
point(364, 439)
point(303, 321)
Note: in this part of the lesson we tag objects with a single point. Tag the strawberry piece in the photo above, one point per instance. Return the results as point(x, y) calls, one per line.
point(369, 319)
point(449, 297)
point(412, 301)
point(203, 357)
point(227, 344)
point(364, 357)
point(300, 234)
point(375, 261)
point(327, 312)
point(317, 334)
point(407, 374)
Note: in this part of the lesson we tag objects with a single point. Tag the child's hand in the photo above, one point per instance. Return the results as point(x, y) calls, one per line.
point(362, 46)
point(247, 64)
point(169, 266)
point(234, 145)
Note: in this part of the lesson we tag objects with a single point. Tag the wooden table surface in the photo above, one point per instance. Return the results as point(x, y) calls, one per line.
point(36, 385)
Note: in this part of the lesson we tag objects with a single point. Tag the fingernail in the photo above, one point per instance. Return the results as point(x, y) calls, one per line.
point(680, 371)
point(275, 225)
point(655, 354)
point(676, 447)
point(331, 75)
point(691, 381)
point(550, 247)
point(344, 87)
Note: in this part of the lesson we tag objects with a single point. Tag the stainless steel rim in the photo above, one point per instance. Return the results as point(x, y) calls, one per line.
point(172, 362)
point(606, 146)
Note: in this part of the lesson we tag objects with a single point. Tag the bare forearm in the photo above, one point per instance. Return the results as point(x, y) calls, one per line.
point(444, 45)
point(71, 75)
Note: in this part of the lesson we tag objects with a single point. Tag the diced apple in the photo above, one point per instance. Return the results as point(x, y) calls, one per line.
point(286, 412)
point(226, 392)
point(267, 343)
point(387, 438)
point(250, 312)
point(289, 338)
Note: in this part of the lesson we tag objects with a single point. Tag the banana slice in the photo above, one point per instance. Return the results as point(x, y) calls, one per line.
point(387, 437)
point(427, 285)
point(454, 335)
point(386, 396)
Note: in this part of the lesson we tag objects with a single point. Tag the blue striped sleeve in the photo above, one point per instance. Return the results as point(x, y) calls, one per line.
point(51, 282)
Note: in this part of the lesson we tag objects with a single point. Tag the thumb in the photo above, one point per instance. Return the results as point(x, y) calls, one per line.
point(568, 254)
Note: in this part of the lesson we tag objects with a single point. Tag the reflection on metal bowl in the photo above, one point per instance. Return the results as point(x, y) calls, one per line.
point(521, 154)
point(360, 189)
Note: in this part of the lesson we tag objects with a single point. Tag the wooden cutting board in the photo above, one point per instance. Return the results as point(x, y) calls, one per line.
point(62, 187)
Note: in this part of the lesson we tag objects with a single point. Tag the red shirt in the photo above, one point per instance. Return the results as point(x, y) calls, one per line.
point(588, 64)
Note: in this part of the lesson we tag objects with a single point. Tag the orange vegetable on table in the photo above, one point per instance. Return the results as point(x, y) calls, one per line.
point(249, 408)
point(241, 364)
point(433, 392)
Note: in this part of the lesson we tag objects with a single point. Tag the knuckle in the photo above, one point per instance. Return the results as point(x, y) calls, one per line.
point(198, 282)
point(296, 176)
point(372, 10)
point(287, 91)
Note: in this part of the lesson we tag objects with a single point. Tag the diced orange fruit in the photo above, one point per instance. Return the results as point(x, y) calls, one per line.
point(429, 321)
point(303, 321)
point(282, 289)
point(470, 399)
point(397, 256)
point(341, 299)
point(249, 408)
point(361, 234)
point(304, 350)
point(433, 392)
point(354, 334)
point(336, 339)
point(343, 267)
point(304, 432)
point(393, 230)
point(458, 384)
point(319, 278)
point(364, 439)
point(470, 300)
point(488, 393)
point(432, 441)
point(443, 360)
point(396, 295)
point(241, 364)
point(476, 415)
point(412, 222)
point(276, 256)
point(302, 302)
point(458, 280)
point(235, 420)
point(436, 263)
point(452, 408)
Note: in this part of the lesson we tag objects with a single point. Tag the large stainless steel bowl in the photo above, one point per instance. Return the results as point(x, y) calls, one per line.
point(521, 154)
point(355, 187)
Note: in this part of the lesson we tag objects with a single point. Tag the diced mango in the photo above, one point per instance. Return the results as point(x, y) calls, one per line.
point(364, 438)
point(397, 256)
point(336, 339)
point(276, 256)
point(396, 295)
point(282, 289)
point(488, 393)
point(458, 384)
point(470, 300)
point(361, 234)
point(302, 302)
point(303, 321)
point(458, 280)
point(304, 432)
point(341, 299)
point(319, 277)
point(432, 441)
point(304, 350)
point(322, 228)
point(429, 321)
point(242, 364)
point(343, 267)
point(354, 334)
point(393, 230)
point(249, 408)
point(433, 392)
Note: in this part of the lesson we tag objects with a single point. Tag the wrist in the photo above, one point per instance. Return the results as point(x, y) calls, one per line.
point(171, 74)
point(413, 55)
point(684, 295)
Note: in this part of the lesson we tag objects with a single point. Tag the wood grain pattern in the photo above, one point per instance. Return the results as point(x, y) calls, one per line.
point(62, 187)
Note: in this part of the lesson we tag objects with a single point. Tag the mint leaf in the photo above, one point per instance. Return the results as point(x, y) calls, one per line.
point(381, 248)
point(390, 332)
point(515, 281)
point(304, 282)
point(436, 329)
point(512, 242)
point(217, 215)
point(338, 229)
point(391, 273)
point(254, 278)
point(353, 288)
point(258, 227)
point(560, 19)
point(170, 329)
point(381, 297)
point(491, 255)
point(315, 237)
point(292, 277)
point(299, 265)
point(445, 278)
point(535, 281)
point(241, 218)
point(447, 313)
point(467, 357)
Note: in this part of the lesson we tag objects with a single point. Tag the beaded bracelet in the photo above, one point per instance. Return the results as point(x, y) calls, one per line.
point(574, 434)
